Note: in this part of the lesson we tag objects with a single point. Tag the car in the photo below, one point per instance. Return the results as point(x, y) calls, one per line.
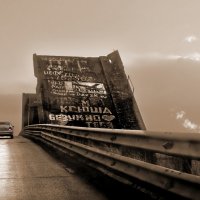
point(6, 129)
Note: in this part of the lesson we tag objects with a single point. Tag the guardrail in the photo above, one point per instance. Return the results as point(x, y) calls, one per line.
point(156, 158)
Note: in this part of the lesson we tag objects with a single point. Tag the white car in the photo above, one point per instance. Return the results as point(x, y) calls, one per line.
point(6, 129)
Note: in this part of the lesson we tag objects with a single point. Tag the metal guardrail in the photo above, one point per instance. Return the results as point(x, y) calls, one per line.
point(117, 151)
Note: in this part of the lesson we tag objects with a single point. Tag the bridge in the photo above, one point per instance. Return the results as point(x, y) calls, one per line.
point(83, 138)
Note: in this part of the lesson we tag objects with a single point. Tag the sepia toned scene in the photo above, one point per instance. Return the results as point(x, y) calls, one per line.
point(99, 99)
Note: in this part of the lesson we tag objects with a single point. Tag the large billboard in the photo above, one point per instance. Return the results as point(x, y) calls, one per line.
point(74, 92)
point(82, 91)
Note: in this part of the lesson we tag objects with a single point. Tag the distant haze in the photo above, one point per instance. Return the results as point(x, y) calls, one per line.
point(163, 89)
point(158, 42)
point(10, 106)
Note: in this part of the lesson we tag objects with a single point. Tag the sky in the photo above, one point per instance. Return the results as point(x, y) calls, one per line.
point(158, 41)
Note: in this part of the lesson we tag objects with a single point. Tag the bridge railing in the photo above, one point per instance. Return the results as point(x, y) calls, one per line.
point(166, 160)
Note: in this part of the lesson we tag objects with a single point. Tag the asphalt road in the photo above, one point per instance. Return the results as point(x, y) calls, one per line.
point(27, 172)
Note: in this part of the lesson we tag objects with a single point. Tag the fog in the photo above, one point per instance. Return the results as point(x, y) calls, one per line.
point(158, 42)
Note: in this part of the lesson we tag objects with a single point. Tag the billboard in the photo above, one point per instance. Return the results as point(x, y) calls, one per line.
point(84, 91)
point(74, 92)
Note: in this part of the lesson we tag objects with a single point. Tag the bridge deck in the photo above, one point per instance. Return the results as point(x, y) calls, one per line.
point(28, 172)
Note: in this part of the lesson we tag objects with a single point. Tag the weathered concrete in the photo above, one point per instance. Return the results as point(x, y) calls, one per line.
point(86, 92)
point(27, 172)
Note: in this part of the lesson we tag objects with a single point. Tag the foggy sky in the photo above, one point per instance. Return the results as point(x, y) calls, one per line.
point(158, 42)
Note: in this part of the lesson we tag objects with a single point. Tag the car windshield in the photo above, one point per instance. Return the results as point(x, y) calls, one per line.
point(5, 124)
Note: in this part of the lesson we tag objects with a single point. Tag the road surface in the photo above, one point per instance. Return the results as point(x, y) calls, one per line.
point(27, 172)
